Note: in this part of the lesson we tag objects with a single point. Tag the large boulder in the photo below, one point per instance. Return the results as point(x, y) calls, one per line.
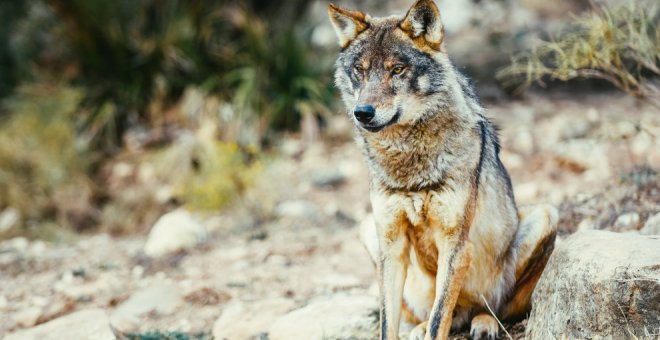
point(599, 284)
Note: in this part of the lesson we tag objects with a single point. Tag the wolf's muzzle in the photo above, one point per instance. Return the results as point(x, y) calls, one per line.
point(364, 113)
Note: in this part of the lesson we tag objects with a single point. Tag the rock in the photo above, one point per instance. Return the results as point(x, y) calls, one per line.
point(586, 224)
point(575, 129)
point(627, 221)
point(652, 226)
point(91, 324)
point(523, 142)
point(174, 231)
point(297, 209)
point(336, 317)
point(27, 317)
point(160, 298)
point(526, 192)
point(598, 284)
point(512, 160)
point(247, 320)
point(583, 155)
point(328, 178)
point(9, 219)
point(4, 303)
point(625, 129)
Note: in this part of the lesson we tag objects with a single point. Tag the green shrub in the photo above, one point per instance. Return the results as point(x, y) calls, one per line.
point(135, 58)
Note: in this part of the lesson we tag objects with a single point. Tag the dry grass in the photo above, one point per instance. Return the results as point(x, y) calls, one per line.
point(44, 165)
point(619, 46)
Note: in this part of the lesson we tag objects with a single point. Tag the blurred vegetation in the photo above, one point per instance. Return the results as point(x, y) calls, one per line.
point(44, 174)
point(105, 105)
point(617, 45)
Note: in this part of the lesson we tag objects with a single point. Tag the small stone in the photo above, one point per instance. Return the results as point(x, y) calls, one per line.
point(526, 192)
point(276, 260)
point(19, 243)
point(137, 271)
point(9, 219)
point(512, 160)
point(626, 129)
point(575, 129)
point(4, 303)
point(297, 209)
point(652, 226)
point(174, 231)
point(84, 324)
point(205, 296)
point(160, 298)
point(245, 320)
point(641, 144)
point(291, 147)
point(586, 224)
point(27, 317)
point(523, 142)
point(627, 221)
point(328, 178)
point(583, 156)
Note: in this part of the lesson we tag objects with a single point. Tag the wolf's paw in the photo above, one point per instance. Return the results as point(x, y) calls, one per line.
point(419, 332)
point(484, 327)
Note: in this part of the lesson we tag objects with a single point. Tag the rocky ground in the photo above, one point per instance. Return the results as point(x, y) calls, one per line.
point(285, 262)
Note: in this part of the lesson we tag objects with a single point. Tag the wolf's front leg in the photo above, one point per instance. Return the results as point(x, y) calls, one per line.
point(392, 268)
point(453, 262)
point(391, 276)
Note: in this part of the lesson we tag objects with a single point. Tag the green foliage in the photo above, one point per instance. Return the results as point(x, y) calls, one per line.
point(130, 53)
point(10, 12)
point(135, 58)
point(273, 79)
point(619, 46)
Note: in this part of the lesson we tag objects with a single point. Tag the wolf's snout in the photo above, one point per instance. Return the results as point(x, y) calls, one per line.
point(364, 113)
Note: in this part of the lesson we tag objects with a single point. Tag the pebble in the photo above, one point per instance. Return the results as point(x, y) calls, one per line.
point(174, 231)
point(297, 209)
point(627, 221)
point(652, 225)
point(160, 298)
point(85, 324)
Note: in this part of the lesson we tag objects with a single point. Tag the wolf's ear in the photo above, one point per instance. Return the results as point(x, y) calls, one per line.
point(347, 24)
point(422, 23)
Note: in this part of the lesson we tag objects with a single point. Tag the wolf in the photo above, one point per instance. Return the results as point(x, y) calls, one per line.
point(449, 243)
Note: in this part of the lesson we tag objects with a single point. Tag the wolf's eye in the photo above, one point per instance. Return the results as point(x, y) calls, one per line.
point(358, 69)
point(397, 69)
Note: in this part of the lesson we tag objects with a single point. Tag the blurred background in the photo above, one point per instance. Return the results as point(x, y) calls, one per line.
point(193, 156)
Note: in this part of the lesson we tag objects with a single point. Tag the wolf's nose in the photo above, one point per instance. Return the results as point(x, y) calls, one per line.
point(364, 113)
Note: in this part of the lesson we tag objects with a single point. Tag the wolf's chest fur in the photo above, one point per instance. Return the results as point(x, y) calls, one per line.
point(422, 217)
point(420, 235)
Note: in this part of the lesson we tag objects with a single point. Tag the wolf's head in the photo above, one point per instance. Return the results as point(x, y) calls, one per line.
point(391, 70)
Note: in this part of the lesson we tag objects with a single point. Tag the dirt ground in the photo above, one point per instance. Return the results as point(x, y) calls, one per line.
point(294, 235)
